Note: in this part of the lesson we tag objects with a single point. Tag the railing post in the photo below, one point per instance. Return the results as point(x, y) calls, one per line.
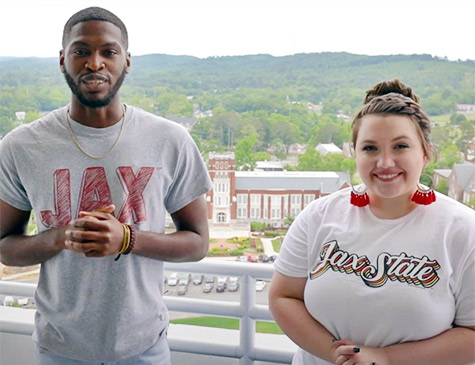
point(247, 325)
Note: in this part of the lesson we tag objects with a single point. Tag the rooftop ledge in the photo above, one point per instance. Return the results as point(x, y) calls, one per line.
point(211, 345)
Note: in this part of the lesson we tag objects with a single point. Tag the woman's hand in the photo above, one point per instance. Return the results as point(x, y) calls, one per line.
point(349, 354)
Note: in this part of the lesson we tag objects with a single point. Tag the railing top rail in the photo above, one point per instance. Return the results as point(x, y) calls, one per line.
point(224, 267)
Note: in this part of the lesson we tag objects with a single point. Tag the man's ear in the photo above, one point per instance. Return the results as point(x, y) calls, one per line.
point(61, 61)
point(127, 62)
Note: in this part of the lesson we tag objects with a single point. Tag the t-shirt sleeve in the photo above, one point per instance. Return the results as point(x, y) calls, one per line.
point(191, 178)
point(293, 256)
point(11, 188)
point(465, 295)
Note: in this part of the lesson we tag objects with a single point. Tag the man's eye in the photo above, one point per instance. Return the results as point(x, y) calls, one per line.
point(80, 52)
point(110, 53)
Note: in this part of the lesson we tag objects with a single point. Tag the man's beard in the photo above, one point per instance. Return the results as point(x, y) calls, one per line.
point(93, 103)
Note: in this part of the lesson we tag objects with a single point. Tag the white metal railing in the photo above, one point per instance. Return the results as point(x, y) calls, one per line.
point(247, 310)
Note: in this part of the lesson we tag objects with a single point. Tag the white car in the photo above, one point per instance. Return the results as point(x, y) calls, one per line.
point(173, 279)
point(260, 285)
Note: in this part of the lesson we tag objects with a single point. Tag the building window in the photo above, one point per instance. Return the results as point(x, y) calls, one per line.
point(255, 213)
point(294, 212)
point(296, 199)
point(308, 198)
point(242, 213)
point(255, 199)
point(276, 200)
point(275, 213)
point(242, 198)
point(221, 217)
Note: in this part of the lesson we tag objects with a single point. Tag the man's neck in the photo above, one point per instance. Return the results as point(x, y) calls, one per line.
point(97, 118)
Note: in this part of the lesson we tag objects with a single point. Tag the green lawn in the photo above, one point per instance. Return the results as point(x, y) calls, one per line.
point(441, 120)
point(228, 323)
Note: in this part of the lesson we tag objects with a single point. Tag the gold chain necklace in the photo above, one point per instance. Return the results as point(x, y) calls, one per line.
point(73, 137)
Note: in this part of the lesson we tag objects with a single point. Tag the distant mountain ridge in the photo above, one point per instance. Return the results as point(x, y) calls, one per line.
point(325, 70)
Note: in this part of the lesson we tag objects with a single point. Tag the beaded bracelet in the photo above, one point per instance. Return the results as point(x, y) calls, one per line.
point(128, 241)
point(131, 240)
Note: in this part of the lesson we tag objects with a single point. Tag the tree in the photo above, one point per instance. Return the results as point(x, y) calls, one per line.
point(442, 187)
point(261, 156)
point(448, 157)
point(310, 160)
point(244, 152)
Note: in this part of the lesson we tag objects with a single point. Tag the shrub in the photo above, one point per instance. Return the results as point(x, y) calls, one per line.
point(258, 226)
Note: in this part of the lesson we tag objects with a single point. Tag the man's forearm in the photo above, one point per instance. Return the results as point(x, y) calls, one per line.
point(180, 246)
point(22, 250)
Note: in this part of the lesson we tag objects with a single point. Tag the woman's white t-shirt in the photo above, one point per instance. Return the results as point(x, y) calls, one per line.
point(380, 282)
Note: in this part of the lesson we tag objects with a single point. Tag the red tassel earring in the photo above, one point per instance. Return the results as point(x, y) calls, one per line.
point(359, 199)
point(424, 196)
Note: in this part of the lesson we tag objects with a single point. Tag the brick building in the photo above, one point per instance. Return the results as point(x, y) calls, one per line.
point(264, 196)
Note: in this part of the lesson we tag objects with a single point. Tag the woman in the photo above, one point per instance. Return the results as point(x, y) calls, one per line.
point(381, 274)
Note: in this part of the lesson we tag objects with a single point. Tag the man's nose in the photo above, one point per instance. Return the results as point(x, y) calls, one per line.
point(94, 62)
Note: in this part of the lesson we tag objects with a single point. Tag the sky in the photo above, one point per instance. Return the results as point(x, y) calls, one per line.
point(208, 28)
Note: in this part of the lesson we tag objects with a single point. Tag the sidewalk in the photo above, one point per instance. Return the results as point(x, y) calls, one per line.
point(268, 247)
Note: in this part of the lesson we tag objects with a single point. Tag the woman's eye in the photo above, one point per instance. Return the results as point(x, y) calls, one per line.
point(369, 148)
point(402, 146)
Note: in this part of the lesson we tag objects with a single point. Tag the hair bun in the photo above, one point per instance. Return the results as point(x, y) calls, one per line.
point(387, 87)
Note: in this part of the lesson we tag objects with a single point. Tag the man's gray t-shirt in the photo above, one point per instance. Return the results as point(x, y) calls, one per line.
point(98, 309)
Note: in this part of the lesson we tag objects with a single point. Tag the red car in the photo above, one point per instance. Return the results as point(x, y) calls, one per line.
point(252, 258)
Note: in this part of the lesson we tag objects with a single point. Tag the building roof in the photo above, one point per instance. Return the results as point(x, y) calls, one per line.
point(269, 166)
point(465, 176)
point(325, 148)
point(443, 172)
point(325, 181)
point(185, 121)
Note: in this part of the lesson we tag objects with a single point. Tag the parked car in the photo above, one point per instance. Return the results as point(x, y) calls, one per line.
point(260, 285)
point(207, 288)
point(182, 289)
point(223, 280)
point(209, 279)
point(220, 287)
point(252, 258)
point(184, 278)
point(241, 258)
point(8, 300)
point(233, 286)
point(272, 258)
point(233, 279)
point(263, 258)
point(197, 279)
point(173, 279)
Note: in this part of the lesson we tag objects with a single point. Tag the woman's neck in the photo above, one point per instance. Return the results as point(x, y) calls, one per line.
point(392, 208)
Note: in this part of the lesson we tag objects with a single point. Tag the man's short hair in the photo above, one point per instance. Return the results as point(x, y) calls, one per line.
point(95, 13)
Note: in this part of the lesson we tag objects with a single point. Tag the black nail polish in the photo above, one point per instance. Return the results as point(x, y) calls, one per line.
point(356, 349)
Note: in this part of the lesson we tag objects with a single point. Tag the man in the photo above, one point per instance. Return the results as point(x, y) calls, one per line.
point(100, 176)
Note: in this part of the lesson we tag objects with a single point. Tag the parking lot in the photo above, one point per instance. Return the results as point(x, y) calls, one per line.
point(196, 291)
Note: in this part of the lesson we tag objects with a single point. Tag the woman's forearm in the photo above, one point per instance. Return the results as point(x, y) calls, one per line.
point(455, 346)
point(294, 319)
